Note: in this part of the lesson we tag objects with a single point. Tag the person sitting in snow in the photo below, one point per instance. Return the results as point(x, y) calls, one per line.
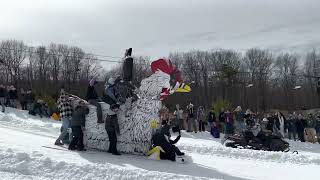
point(162, 138)
point(77, 126)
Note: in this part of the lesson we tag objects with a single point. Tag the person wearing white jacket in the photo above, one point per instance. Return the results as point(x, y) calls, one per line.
point(281, 122)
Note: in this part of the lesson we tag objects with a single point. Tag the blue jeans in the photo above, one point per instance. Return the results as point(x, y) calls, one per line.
point(240, 126)
point(65, 134)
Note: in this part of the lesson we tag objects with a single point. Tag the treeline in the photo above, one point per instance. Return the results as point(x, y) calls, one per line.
point(257, 79)
point(44, 69)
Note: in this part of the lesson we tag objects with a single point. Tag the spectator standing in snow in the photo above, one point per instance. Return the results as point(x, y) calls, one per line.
point(229, 129)
point(281, 121)
point(112, 128)
point(13, 97)
point(65, 109)
point(239, 115)
point(3, 95)
point(92, 98)
point(222, 119)
point(200, 118)
point(164, 114)
point(30, 98)
point(300, 127)
point(179, 116)
point(214, 130)
point(191, 118)
point(292, 129)
point(23, 101)
point(77, 126)
point(318, 127)
point(310, 131)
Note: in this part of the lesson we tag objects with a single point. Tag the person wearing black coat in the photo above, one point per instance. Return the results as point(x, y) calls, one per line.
point(162, 138)
point(300, 125)
point(93, 98)
point(77, 124)
point(112, 128)
point(3, 95)
point(222, 120)
point(13, 97)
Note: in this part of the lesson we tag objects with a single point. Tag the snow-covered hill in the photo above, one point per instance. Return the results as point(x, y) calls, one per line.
point(23, 157)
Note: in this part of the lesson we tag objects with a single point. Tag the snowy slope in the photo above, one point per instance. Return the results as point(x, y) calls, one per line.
point(22, 157)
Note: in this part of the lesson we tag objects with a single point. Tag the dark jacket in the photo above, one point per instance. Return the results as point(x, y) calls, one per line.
point(3, 92)
point(211, 117)
point(292, 124)
point(300, 125)
point(91, 93)
point(239, 116)
point(13, 94)
point(79, 116)
point(112, 123)
point(221, 117)
point(270, 123)
point(162, 138)
point(191, 112)
point(29, 98)
point(23, 98)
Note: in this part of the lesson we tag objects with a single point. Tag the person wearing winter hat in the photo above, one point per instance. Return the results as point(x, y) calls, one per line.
point(93, 98)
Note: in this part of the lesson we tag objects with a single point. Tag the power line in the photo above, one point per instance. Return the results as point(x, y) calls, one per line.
point(29, 50)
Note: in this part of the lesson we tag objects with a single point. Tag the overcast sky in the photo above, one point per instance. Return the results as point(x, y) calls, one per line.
point(157, 27)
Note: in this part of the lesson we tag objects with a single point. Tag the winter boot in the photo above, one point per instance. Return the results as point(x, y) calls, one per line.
point(116, 153)
point(58, 143)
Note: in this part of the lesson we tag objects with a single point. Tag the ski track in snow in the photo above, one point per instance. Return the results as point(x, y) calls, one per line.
point(22, 157)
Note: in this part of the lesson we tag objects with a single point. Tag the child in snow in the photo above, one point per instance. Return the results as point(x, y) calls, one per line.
point(77, 125)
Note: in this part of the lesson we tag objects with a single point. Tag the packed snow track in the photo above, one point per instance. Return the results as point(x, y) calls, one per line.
point(23, 157)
